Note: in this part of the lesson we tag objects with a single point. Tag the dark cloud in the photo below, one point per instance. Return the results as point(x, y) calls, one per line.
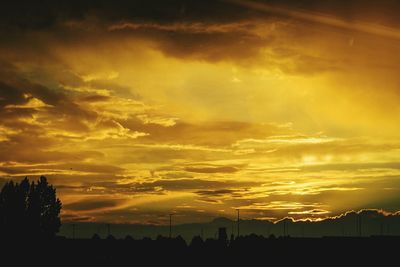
point(20, 152)
point(16, 90)
point(216, 193)
point(29, 15)
point(99, 168)
point(34, 117)
point(212, 31)
point(71, 167)
point(206, 30)
point(34, 143)
point(95, 98)
point(75, 218)
point(91, 205)
point(232, 46)
point(181, 184)
point(212, 133)
point(158, 187)
point(352, 9)
point(189, 184)
point(222, 169)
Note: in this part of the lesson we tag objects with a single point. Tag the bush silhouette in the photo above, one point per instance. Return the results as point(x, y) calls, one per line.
point(29, 210)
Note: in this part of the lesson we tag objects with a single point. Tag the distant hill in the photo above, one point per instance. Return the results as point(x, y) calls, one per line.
point(372, 223)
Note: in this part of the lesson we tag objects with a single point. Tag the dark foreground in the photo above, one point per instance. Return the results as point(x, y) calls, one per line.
point(169, 252)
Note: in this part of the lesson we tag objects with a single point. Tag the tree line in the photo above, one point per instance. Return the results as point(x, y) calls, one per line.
point(29, 210)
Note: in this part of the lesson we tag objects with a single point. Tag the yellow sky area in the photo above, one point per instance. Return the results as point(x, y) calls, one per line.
point(326, 84)
point(274, 117)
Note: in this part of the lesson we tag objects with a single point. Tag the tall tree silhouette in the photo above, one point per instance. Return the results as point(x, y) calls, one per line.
point(29, 210)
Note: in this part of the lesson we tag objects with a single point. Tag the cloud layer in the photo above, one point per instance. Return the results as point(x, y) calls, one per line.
point(142, 108)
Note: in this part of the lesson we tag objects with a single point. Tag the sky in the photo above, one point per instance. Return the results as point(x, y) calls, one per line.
point(138, 109)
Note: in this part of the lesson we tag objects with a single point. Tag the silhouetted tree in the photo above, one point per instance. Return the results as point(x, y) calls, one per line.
point(29, 209)
point(110, 238)
point(180, 242)
point(222, 236)
point(96, 237)
point(232, 239)
point(129, 238)
point(271, 236)
point(197, 242)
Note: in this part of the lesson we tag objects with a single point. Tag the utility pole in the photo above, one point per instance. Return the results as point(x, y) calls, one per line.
point(73, 231)
point(358, 225)
point(284, 228)
point(238, 222)
point(342, 226)
point(170, 225)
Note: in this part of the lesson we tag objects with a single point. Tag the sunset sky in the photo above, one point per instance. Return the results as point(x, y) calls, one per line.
point(138, 109)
